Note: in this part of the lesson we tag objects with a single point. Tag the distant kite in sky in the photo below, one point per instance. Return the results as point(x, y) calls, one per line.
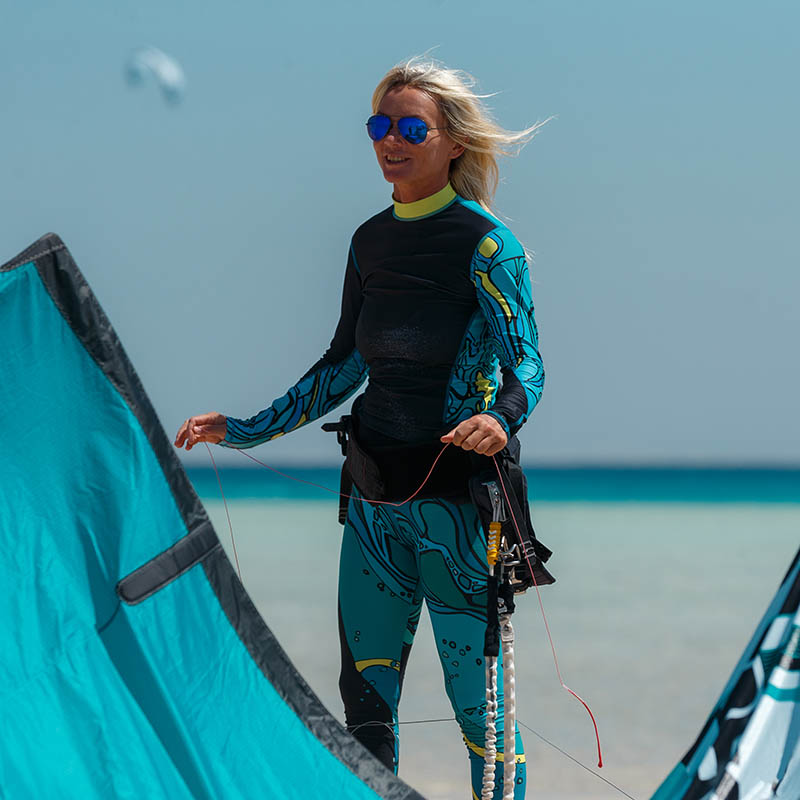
point(166, 71)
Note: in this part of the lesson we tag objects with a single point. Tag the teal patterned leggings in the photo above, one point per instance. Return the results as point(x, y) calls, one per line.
point(392, 558)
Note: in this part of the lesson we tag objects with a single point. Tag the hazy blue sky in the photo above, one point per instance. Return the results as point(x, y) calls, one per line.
point(661, 202)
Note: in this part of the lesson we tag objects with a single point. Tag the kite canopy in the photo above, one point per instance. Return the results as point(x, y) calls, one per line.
point(132, 662)
point(165, 70)
point(750, 747)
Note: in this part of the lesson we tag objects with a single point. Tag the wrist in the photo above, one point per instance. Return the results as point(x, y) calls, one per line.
point(501, 420)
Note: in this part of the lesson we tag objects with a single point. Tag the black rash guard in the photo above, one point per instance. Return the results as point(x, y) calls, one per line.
point(436, 295)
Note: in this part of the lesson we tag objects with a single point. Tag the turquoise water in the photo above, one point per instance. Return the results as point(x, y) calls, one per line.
point(653, 604)
point(562, 484)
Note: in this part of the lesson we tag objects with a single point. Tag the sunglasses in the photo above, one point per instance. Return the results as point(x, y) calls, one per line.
point(412, 129)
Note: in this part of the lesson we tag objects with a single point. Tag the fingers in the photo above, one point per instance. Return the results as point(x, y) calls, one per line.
point(469, 439)
point(494, 449)
point(202, 428)
point(187, 435)
point(463, 431)
point(481, 433)
point(180, 437)
point(482, 442)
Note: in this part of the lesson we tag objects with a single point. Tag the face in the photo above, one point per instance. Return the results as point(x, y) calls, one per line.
point(416, 170)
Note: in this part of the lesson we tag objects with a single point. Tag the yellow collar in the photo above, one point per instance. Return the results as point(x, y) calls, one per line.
point(425, 207)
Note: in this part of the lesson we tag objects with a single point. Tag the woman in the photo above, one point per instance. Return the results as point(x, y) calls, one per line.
point(436, 292)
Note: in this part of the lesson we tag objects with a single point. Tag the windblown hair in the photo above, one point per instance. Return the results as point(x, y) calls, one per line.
point(474, 174)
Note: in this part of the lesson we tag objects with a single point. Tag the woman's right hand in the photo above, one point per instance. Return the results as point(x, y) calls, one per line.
point(202, 428)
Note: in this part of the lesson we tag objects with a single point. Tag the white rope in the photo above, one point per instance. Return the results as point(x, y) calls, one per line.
point(490, 754)
point(510, 722)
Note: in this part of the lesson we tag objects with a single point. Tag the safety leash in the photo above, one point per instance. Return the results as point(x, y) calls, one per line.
point(501, 556)
point(490, 744)
point(510, 707)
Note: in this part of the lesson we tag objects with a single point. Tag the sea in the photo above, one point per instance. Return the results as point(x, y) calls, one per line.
point(662, 575)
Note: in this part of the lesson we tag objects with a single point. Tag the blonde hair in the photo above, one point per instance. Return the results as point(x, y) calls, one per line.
point(474, 174)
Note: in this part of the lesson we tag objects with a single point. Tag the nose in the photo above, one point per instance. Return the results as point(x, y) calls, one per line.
point(393, 133)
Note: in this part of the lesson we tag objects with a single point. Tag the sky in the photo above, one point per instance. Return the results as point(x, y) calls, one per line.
point(660, 201)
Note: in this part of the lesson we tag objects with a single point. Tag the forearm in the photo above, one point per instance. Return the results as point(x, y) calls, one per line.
point(521, 390)
point(324, 387)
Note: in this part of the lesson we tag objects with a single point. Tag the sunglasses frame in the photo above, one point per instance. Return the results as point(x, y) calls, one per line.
point(397, 125)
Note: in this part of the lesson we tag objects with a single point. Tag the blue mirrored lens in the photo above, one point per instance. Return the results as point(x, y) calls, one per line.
point(412, 129)
point(378, 126)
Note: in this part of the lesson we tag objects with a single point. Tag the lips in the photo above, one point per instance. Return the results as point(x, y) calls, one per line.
point(394, 159)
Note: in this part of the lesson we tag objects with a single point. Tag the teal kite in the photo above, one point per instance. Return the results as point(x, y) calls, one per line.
point(132, 661)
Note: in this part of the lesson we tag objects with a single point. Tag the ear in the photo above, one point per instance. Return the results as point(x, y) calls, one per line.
point(457, 150)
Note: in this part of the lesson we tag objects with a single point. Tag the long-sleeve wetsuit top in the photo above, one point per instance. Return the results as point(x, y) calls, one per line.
point(436, 295)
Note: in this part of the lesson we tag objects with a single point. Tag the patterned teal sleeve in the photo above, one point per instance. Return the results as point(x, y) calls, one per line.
point(331, 381)
point(500, 273)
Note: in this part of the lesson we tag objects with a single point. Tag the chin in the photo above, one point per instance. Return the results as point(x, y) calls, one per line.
point(395, 175)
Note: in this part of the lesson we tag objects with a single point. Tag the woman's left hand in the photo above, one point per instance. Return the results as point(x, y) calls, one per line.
point(481, 433)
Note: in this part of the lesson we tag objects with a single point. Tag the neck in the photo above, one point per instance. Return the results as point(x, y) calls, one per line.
point(405, 193)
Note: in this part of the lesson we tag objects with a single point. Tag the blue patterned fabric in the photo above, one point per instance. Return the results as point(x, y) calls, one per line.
point(393, 559)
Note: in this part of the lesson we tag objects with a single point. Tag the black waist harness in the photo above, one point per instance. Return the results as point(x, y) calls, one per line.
point(395, 473)
point(499, 491)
